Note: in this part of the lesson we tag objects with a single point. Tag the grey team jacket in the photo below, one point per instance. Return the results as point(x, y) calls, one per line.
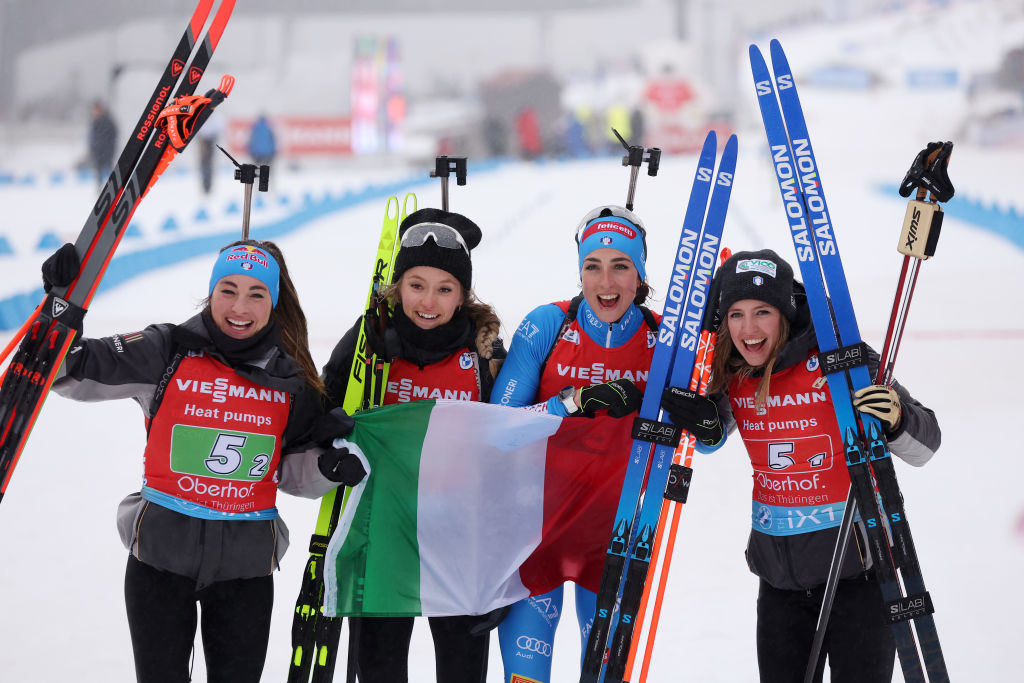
point(205, 550)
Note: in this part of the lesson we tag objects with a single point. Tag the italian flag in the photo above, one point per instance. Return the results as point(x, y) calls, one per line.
point(468, 507)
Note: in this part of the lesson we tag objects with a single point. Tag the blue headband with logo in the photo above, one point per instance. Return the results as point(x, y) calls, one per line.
point(614, 232)
point(245, 259)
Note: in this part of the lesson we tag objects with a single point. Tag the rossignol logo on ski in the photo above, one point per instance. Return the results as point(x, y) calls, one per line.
point(58, 307)
point(177, 66)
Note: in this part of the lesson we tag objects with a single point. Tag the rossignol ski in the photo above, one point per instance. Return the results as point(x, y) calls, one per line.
point(315, 636)
point(628, 552)
point(843, 358)
point(48, 335)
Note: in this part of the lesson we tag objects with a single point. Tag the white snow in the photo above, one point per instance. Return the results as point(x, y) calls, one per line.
point(61, 576)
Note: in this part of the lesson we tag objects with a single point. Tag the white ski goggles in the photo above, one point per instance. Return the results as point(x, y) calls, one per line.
point(445, 236)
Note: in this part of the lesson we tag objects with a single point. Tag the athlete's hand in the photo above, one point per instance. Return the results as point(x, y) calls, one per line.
point(620, 397)
point(695, 413)
point(61, 268)
point(333, 425)
point(340, 465)
point(882, 402)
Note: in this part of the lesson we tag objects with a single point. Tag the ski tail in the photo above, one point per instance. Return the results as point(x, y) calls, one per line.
point(679, 484)
point(691, 324)
point(650, 409)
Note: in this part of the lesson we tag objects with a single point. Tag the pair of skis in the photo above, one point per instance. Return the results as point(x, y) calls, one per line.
point(647, 480)
point(170, 118)
point(843, 358)
point(315, 636)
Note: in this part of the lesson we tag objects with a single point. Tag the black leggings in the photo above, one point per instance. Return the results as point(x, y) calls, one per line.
point(858, 643)
point(383, 649)
point(162, 618)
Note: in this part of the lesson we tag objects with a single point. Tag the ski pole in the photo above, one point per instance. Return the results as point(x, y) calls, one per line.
point(918, 239)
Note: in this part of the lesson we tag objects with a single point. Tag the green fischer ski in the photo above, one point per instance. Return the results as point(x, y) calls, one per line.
point(315, 636)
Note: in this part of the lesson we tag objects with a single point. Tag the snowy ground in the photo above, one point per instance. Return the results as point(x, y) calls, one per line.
point(61, 575)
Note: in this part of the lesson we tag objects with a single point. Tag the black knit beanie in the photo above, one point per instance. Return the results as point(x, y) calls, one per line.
point(454, 261)
point(760, 275)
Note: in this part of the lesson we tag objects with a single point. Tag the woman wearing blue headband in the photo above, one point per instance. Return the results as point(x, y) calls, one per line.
point(579, 357)
point(232, 401)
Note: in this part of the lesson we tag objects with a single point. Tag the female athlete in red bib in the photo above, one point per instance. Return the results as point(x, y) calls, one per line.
point(231, 398)
point(441, 342)
point(766, 383)
point(577, 357)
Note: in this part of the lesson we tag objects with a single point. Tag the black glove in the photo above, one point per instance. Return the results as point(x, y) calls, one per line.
point(330, 426)
point(384, 345)
point(620, 397)
point(695, 413)
point(61, 268)
point(882, 402)
point(338, 464)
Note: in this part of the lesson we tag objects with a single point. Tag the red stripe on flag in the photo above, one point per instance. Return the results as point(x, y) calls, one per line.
point(586, 463)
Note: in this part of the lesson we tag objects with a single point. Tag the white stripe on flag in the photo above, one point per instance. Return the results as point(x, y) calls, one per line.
point(472, 453)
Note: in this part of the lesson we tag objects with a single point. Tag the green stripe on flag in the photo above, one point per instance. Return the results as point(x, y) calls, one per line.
point(392, 578)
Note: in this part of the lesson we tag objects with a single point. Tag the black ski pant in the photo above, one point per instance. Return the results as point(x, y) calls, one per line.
point(858, 643)
point(383, 649)
point(162, 619)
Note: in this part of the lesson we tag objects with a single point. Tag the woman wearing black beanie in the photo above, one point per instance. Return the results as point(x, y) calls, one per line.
point(766, 383)
point(441, 342)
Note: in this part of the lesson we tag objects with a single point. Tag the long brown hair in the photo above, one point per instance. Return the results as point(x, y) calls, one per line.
point(288, 314)
point(729, 361)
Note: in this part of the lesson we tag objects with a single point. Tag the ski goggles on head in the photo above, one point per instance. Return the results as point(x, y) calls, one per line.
point(445, 236)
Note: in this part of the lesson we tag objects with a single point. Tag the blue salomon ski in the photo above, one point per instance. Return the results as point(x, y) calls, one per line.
point(844, 364)
point(631, 538)
point(639, 562)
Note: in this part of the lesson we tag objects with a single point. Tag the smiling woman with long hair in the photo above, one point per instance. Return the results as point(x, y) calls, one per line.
point(767, 384)
point(230, 398)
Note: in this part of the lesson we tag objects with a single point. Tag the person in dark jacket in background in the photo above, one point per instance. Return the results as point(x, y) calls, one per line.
point(101, 140)
point(766, 382)
point(233, 405)
point(440, 341)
